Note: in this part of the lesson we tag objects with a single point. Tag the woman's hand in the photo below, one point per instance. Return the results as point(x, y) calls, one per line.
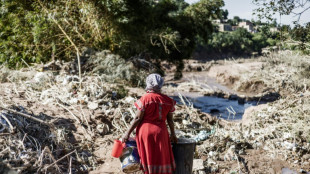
point(125, 137)
point(173, 138)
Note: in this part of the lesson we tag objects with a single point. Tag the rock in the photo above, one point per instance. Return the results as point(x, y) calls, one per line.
point(92, 105)
point(198, 164)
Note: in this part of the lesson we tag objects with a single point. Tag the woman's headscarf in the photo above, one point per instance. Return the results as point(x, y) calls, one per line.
point(154, 82)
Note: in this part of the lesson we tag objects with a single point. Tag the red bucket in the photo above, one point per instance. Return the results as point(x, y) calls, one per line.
point(117, 148)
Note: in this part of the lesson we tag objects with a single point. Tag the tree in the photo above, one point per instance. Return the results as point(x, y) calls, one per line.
point(35, 30)
point(301, 33)
point(236, 20)
point(268, 8)
point(225, 14)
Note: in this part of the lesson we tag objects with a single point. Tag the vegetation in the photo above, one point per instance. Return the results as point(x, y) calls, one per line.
point(241, 42)
point(38, 30)
point(268, 8)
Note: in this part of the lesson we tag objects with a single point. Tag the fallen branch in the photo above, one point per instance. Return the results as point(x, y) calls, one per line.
point(25, 115)
point(45, 168)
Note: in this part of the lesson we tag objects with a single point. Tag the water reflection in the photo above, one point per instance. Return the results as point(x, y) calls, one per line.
point(220, 107)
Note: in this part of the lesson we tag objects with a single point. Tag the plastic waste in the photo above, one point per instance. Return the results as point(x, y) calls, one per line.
point(203, 135)
point(117, 148)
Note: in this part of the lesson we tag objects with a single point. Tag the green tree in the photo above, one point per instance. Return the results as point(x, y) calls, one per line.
point(268, 8)
point(37, 30)
point(301, 33)
point(225, 14)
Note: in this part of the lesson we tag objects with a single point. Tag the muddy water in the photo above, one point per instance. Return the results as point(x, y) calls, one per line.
point(206, 82)
point(219, 107)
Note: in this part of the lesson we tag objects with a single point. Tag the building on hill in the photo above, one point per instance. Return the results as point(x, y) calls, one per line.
point(224, 27)
point(247, 25)
point(216, 21)
point(274, 30)
point(233, 28)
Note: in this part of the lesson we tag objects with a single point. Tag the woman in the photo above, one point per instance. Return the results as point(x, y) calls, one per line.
point(152, 137)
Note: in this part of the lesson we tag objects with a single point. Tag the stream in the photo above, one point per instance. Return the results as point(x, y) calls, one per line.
point(215, 106)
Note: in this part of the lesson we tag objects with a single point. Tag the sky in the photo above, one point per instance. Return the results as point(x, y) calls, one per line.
point(244, 9)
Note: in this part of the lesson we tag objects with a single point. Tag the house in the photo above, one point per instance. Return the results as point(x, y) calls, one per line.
point(224, 27)
point(233, 28)
point(247, 25)
point(216, 21)
point(274, 30)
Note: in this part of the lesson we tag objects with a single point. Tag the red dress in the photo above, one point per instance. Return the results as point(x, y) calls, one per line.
point(152, 135)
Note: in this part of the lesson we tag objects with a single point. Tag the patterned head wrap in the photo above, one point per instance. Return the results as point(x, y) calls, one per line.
point(154, 82)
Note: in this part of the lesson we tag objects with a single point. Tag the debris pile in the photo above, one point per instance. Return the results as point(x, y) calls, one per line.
point(39, 143)
point(54, 122)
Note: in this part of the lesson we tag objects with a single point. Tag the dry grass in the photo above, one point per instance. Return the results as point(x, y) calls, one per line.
point(285, 72)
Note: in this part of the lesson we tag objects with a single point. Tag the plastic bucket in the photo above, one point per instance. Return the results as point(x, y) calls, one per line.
point(183, 152)
point(130, 159)
point(117, 148)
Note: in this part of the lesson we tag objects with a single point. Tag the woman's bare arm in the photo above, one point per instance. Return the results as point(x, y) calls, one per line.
point(171, 126)
point(134, 123)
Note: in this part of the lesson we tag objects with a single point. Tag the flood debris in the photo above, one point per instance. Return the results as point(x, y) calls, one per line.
point(49, 124)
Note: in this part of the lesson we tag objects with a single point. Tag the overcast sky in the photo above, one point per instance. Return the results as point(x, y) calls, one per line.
point(244, 9)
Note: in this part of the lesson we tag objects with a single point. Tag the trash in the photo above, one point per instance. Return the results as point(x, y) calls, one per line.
point(102, 128)
point(203, 135)
point(92, 105)
point(289, 146)
point(211, 161)
point(230, 154)
point(129, 99)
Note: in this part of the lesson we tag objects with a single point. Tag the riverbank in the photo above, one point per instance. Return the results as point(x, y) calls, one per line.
point(86, 120)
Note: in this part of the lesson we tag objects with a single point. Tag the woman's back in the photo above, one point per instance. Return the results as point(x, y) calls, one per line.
point(155, 106)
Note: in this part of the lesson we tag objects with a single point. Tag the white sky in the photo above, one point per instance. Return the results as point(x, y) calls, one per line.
point(244, 9)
